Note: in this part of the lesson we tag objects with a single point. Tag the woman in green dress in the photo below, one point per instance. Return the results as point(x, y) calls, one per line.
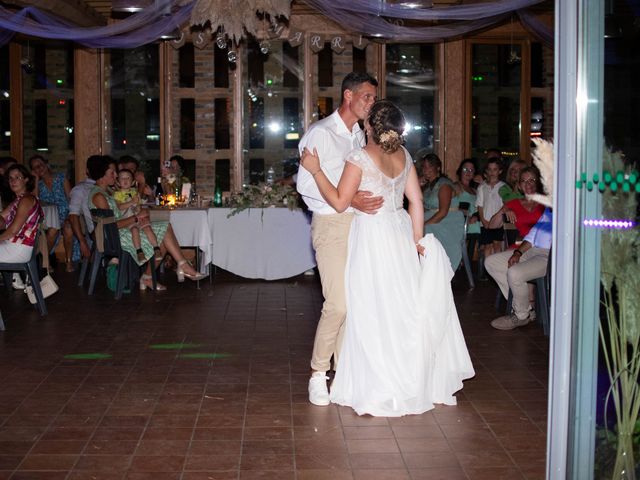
point(104, 173)
point(442, 215)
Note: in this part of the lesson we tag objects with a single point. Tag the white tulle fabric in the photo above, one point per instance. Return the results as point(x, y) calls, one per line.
point(403, 349)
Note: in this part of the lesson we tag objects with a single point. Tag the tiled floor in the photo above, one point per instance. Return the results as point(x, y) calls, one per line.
point(211, 384)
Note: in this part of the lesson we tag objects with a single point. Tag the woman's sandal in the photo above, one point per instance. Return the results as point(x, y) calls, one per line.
point(146, 281)
point(191, 276)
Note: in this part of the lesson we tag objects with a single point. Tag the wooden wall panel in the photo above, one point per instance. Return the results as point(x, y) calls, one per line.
point(88, 112)
point(453, 83)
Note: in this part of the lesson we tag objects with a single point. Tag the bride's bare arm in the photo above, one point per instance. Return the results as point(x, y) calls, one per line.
point(416, 210)
point(339, 198)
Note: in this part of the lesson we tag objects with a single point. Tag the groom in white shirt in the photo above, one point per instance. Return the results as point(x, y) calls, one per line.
point(334, 137)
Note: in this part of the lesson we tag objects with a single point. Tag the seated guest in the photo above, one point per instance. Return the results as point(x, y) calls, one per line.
point(104, 175)
point(128, 201)
point(522, 212)
point(21, 218)
point(54, 189)
point(441, 213)
point(6, 195)
point(512, 270)
point(489, 205)
point(173, 175)
point(465, 190)
point(79, 208)
point(509, 191)
point(128, 162)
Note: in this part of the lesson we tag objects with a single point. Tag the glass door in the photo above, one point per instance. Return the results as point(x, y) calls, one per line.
point(595, 362)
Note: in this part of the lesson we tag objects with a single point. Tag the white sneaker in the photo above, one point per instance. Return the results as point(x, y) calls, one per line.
point(17, 282)
point(318, 391)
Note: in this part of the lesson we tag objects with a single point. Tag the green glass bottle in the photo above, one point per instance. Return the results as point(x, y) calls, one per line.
point(217, 195)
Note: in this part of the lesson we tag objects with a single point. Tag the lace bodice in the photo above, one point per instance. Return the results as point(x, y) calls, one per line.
point(373, 180)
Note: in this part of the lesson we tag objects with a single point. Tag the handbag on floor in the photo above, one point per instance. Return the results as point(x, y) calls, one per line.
point(47, 285)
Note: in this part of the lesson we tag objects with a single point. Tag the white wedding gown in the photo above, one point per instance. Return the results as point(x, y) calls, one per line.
point(403, 349)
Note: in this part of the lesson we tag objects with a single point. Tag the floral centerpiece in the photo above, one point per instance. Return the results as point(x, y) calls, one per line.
point(263, 195)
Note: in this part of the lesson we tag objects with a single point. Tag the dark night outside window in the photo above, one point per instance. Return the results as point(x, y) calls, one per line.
point(5, 124)
point(220, 67)
point(223, 174)
point(187, 123)
point(4, 68)
point(70, 67)
point(40, 135)
point(325, 66)
point(187, 66)
point(256, 61)
point(71, 137)
point(291, 120)
point(256, 123)
point(152, 117)
point(256, 170)
point(289, 54)
point(221, 122)
point(40, 67)
point(359, 60)
point(119, 124)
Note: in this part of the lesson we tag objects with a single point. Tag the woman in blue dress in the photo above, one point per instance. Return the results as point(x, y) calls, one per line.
point(54, 189)
point(442, 216)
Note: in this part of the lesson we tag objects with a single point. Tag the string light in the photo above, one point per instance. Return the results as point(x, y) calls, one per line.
point(617, 224)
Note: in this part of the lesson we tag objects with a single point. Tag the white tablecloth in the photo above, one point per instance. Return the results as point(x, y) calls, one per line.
point(51, 219)
point(191, 227)
point(270, 243)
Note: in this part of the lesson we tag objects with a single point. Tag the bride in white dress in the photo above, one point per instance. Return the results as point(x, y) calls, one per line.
point(403, 349)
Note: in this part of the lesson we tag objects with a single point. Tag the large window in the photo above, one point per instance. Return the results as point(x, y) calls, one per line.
point(330, 68)
point(5, 105)
point(47, 80)
point(202, 113)
point(411, 84)
point(133, 93)
point(273, 113)
point(495, 109)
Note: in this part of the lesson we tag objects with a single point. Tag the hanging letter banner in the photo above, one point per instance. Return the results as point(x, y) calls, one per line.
point(296, 37)
point(202, 39)
point(360, 43)
point(178, 42)
point(275, 29)
point(316, 43)
point(337, 44)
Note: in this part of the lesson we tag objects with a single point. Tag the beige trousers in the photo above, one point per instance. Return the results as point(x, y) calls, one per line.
point(532, 265)
point(330, 235)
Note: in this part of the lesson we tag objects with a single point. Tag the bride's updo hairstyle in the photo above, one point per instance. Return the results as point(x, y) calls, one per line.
point(387, 125)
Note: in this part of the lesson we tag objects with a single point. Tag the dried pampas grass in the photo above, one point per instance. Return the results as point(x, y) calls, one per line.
point(544, 160)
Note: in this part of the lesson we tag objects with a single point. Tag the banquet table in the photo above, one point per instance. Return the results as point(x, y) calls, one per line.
point(269, 243)
point(191, 227)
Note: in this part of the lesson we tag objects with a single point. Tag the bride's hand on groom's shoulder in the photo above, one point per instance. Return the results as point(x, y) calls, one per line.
point(309, 160)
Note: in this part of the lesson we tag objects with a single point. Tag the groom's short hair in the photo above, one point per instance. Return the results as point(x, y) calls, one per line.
point(354, 79)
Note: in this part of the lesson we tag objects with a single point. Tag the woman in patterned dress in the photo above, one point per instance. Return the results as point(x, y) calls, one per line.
point(104, 174)
point(54, 189)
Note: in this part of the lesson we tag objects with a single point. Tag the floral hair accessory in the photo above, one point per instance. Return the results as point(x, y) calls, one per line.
point(389, 135)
